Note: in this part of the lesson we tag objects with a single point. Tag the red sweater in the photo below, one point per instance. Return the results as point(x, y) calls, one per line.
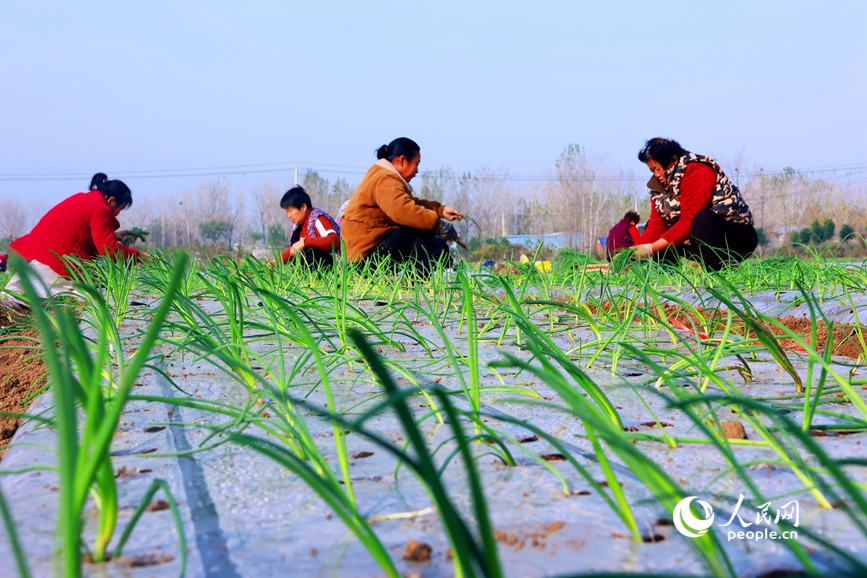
point(696, 190)
point(82, 225)
point(326, 240)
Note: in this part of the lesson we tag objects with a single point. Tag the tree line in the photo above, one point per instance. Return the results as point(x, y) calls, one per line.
point(581, 198)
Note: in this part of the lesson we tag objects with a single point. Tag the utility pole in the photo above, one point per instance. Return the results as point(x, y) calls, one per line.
point(296, 175)
point(503, 221)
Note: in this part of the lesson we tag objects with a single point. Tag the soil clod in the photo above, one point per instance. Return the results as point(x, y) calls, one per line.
point(553, 457)
point(157, 506)
point(417, 551)
point(734, 430)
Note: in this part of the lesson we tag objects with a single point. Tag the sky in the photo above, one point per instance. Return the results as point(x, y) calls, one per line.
point(138, 89)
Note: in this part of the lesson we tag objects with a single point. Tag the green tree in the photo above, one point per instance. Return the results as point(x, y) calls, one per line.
point(821, 232)
point(846, 231)
point(213, 231)
point(277, 236)
point(828, 227)
point(254, 237)
point(805, 236)
point(316, 186)
point(763, 238)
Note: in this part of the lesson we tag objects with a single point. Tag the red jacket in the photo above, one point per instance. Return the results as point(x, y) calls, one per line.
point(696, 191)
point(621, 236)
point(82, 225)
point(327, 239)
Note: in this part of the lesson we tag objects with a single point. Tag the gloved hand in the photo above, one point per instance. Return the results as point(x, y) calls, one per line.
point(447, 231)
point(644, 251)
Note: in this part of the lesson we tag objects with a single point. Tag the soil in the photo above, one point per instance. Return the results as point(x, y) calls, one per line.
point(417, 551)
point(845, 341)
point(21, 373)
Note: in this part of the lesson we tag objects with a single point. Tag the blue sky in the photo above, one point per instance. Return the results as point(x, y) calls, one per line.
point(147, 86)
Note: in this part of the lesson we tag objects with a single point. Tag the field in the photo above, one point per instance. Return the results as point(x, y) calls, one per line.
point(217, 418)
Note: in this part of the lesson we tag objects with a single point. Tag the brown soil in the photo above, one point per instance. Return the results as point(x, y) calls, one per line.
point(417, 551)
point(845, 339)
point(21, 373)
point(734, 430)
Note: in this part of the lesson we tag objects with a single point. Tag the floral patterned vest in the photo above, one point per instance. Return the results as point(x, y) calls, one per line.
point(311, 225)
point(726, 200)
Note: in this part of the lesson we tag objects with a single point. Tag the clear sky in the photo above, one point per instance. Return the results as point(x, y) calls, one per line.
point(130, 88)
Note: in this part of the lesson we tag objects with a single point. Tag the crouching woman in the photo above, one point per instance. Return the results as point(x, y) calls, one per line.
point(316, 236)
point(384, 219)
point(696, 211)
point(82, 226)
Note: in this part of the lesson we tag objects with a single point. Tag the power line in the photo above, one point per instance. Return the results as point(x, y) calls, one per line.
point(260, 168)
point(190, 172)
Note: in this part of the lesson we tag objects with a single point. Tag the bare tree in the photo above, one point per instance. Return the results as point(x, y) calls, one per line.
point(583, 197)
point(266, 207)
point(13, 219)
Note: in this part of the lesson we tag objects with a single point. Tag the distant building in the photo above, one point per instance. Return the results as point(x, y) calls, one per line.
point(552, 240)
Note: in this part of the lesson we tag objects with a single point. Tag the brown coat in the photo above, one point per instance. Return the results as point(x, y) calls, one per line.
point(381, 204)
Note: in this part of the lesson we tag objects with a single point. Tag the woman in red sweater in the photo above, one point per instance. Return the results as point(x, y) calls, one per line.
point(316, 235)
point(697, 212)
point(82, 226)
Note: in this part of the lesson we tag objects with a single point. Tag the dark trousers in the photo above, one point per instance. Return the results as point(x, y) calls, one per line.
point(412, 245)
point(715, 241)
point(315, 257)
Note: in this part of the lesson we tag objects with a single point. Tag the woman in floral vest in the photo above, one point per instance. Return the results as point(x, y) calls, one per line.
point(695, 210)
point(316, 236)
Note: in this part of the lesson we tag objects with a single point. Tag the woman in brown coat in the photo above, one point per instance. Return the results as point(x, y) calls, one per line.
point(384, 219)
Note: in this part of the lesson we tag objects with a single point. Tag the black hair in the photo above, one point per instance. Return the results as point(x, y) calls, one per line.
point(663, 150)
point(117, 189)
point(632, 217)
point(97, 178)
point(296, 197)
point(398, 147)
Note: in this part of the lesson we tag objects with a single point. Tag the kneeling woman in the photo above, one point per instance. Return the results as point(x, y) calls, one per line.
point(81, 226)
point(384, 219)
point(697, 211)
point(316, 235)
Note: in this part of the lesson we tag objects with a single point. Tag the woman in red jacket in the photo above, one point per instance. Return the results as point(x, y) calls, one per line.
point(697, 212)
point(82, 226)
point(316, 236)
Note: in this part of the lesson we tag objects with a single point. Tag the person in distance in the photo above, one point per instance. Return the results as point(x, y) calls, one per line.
point(316, 236)
point(623, 234)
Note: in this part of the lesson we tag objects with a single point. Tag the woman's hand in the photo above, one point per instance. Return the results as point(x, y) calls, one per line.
point(451, 214)
point(296, 246)
point(647, 250)
point(121, 234)
point(644, 251)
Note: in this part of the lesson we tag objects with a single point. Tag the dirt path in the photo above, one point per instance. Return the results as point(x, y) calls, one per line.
point(21, 373)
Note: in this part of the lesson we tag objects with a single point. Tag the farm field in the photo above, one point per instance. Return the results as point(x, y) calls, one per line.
point(213, 418)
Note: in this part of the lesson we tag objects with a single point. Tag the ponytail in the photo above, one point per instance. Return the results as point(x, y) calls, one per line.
point(97, 179)
point(117, 189)
point(398, 147)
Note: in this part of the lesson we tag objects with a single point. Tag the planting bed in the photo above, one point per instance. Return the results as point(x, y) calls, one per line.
point(581, 410)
